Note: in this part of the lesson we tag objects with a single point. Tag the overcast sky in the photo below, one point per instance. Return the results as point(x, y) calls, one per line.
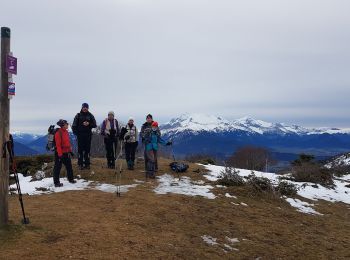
point(280, 61)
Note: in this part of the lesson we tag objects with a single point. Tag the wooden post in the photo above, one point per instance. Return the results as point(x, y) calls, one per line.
point(4, 126)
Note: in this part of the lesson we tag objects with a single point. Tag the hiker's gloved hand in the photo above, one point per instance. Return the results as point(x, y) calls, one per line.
point(71, 154)
point(169, 143)
point(59, 158)
point(127, 137)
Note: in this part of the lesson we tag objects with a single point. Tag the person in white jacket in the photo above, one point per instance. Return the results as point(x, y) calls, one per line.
point(129, 135)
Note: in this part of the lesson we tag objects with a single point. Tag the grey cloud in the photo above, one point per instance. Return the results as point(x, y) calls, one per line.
point(278, 60)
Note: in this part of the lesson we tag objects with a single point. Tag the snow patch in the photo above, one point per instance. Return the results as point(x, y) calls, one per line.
point(302, 206)
point(110, 188)
point(232, 240)
point(228, 195)
point(184, 186)
point(210, 240)
point(340, 192)
point(46, 185)
point(230, 247)
point(214, 172)
point(343, 160)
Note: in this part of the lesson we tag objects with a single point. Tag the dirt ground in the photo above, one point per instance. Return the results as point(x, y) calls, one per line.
point(141, 224)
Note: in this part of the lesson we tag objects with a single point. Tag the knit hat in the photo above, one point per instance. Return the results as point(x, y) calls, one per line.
point(111, 113)
point(155, 124)
point(149, 116)
point(131, 118)
point(85, 105)
point(61, 122)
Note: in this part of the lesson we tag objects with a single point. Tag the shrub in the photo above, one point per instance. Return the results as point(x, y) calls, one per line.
point(304, 158)
point(286, 188)
point(230, 177)
point(340, 171)
point(260, 184)
point(201, 158)
point(31, 164)
point(311, 172)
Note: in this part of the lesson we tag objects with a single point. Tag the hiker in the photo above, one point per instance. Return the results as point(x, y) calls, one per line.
point(151, 139)
point(110, 131)
point(129, 135)
point(83, 123)
point(63, 153)
point(147, 126)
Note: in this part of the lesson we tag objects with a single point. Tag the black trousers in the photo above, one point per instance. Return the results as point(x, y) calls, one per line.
point(130, 150)
point(111, 146)
point(67, 162)
point(84, 145)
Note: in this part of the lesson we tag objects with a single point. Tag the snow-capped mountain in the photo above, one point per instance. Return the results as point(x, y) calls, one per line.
point(196, 123)
point(213, 135)
point(24, 138)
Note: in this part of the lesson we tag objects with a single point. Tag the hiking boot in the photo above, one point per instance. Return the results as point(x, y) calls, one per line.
point(73, 181)
point(57, 185)
point(87, 167)
point(81, 167)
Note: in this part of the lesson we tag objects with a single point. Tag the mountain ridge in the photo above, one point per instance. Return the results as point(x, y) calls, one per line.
point(209, 123)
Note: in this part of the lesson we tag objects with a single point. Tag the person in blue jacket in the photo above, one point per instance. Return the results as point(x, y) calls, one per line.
point(152, 139)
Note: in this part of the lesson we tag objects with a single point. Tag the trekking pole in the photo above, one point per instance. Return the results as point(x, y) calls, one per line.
point(173, 155)
point(118, 174)
point(172, 151)
point(9, 146)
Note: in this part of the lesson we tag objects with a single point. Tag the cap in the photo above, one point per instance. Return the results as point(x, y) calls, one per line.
point(61, 122)
point(111, 113)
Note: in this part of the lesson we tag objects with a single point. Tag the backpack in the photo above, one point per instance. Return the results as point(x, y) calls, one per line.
point(179, 167)
point(51, 144)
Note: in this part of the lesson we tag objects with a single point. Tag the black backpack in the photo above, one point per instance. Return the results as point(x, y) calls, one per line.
point(51, 144)
point(179, 167)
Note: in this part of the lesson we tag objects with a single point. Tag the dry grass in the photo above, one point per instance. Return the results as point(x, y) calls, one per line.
point(143, 225)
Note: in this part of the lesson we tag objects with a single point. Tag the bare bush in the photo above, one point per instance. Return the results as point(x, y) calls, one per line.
point(315, 173)
point(260, 184)
point(251, 158)
point(230, 177)
point(201, 158)
point(305, 169)
point(286, 188)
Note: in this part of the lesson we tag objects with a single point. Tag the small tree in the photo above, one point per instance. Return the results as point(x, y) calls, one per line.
point(251, 158)
point(304, 158)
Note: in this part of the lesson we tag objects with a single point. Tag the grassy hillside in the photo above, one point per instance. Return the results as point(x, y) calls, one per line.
point(141, 224)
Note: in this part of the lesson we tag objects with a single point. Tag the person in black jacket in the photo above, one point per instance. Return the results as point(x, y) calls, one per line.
point(83, 123)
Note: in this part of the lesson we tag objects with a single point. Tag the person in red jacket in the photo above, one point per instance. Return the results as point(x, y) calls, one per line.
point(63, 153)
